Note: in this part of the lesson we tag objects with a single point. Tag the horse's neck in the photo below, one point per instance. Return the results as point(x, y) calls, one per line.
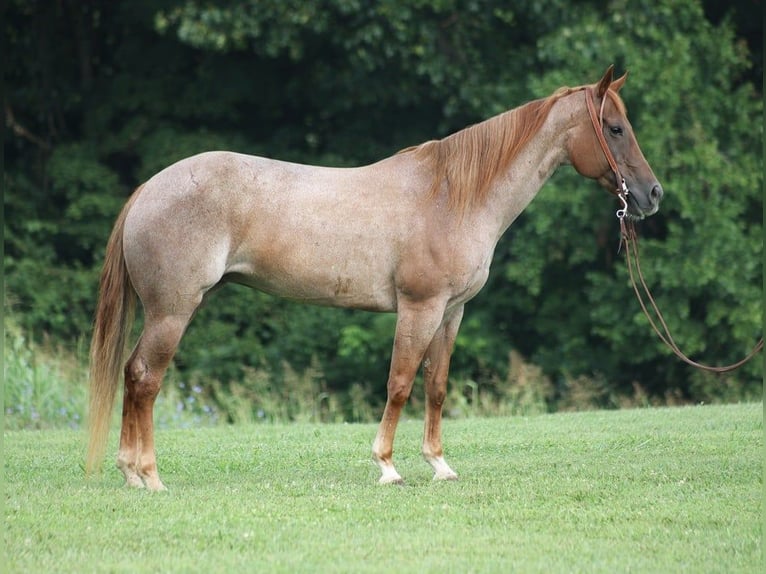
point(513, 191)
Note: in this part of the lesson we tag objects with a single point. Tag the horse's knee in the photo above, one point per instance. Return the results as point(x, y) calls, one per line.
point(435, 375)
point(435, 385)
point(437, 396)
point(399, 390)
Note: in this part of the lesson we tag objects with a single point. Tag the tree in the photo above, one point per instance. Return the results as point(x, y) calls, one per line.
point(699, 133)
point(101, 95)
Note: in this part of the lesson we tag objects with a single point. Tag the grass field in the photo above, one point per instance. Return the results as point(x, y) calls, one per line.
point(655, 490)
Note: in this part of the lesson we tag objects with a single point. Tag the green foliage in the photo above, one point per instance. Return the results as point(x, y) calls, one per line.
point(702, 254)
point(101, 95)
point(42, 389)
point(45, 387)
point(259, 396)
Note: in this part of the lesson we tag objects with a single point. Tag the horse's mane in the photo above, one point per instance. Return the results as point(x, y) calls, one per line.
point(468, 161)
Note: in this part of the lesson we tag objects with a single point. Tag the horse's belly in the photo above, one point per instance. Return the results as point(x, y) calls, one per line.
point(349, 281)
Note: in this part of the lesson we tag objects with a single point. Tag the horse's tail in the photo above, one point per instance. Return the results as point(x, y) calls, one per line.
point(111, 329)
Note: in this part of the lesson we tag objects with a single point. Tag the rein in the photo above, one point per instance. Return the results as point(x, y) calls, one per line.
point(629, 238)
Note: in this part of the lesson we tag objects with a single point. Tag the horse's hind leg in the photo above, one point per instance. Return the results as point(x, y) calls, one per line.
point(143, 378)
point(436, 370)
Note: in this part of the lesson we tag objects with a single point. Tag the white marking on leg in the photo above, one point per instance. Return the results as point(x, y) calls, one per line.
point(442, 471)
point(388, 475)
point(154, 483)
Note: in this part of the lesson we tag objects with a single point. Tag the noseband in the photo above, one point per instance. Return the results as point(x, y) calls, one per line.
point(621, 191)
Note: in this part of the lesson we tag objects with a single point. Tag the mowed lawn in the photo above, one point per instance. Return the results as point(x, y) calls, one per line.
point(650, 490)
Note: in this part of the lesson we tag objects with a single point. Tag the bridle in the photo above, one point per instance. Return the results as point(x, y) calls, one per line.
point(621, 191)
point(629, 238)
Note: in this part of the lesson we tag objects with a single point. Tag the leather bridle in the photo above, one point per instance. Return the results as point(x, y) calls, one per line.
point(621, 191)
point(629, 238)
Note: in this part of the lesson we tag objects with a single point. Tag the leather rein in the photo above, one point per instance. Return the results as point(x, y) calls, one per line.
point(629, 238)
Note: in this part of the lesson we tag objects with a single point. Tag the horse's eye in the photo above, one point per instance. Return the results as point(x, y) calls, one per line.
point(616, 130)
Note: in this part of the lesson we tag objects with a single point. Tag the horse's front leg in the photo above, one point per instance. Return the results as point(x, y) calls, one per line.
point(416, 324)
point(436, 371)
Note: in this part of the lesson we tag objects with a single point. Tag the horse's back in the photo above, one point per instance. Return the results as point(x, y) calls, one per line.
point(322, 235)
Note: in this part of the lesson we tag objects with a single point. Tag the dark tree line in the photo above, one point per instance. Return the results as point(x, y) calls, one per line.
point(100, 95)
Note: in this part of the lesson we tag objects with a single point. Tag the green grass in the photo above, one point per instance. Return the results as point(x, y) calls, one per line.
point(651, 490)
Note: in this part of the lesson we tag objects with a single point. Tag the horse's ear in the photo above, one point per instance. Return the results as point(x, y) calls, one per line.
point(605, 82)
point(619, 82)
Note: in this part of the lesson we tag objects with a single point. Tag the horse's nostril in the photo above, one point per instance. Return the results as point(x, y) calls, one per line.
point(656, 193)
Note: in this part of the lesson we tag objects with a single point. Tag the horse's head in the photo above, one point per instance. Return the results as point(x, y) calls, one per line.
point(589, 158)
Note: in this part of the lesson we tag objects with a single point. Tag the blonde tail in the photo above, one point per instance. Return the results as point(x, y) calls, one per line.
point(112, 325)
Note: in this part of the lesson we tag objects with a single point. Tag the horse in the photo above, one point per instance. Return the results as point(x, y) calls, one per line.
point(412, 234)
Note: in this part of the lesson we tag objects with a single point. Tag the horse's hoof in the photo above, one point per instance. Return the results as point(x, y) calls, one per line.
point(445, 476)
point(391, 480)
point(155, 484)
point(134, 481)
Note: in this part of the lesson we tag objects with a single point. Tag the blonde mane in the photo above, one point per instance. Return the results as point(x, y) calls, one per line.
point(467, 162)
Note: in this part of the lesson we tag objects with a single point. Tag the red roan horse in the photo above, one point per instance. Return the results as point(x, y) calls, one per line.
point(412, 234)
